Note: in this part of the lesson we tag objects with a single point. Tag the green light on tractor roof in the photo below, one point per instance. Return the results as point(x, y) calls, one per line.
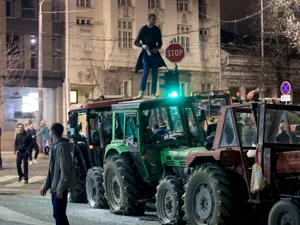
point(173, 94)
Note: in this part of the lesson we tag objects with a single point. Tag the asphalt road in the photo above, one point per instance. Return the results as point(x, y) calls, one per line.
point(20, 204)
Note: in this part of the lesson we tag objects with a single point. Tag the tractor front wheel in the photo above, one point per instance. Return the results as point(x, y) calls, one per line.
point(94, 188)
point(120, 186)
point(169, 201)
point(207, 199)
point(284, 212)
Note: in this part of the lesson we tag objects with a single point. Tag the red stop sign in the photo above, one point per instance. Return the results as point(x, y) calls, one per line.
point(175, 52)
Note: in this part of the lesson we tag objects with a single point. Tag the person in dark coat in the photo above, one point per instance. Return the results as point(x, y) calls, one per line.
point(149, 39)
point(23, 146)
point(35, 146)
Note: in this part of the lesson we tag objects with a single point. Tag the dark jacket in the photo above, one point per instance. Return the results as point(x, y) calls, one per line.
point(32, 132)
point(23, 142)
point(155, 41)
point(61, 173)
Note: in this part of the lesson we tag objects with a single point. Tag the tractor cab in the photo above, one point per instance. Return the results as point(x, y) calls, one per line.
point(148, 127)
point(83, 131)
point(211, 102)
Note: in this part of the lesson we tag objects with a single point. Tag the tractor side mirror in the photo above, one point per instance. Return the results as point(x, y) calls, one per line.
point(201, 118)
point(73, 120)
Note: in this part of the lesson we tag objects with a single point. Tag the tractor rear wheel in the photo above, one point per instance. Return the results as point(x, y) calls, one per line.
point(207, 199)
point(120, 186)
point(78, 194)
point(169, 201)
point(284, 212)
point(94, 188)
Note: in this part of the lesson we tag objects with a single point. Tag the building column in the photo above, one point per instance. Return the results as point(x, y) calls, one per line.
point(243, 90)
point(59, 104)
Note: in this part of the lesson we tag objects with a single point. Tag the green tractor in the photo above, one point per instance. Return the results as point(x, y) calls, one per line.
point(145, 160)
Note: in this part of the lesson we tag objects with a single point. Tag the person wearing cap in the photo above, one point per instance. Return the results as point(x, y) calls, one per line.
point(45, 134)
point(149, 38)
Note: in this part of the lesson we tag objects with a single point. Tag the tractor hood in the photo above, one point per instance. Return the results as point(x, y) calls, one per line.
point(177, 157)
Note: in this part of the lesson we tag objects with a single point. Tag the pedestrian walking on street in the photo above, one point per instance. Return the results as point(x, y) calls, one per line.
point(61, 174)
point(35, 146)
point(44, 132)
point(149, 39)
point(23, 146)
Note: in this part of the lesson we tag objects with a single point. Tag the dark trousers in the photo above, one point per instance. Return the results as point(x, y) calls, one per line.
point(59, 209)
point(149, 62)
point(36, 149)
point(22, 156)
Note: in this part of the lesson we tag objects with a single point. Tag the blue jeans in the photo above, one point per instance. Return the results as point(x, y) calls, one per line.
point(59, 209)
point(149, 62)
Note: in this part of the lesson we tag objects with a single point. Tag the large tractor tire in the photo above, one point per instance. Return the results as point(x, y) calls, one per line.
point(169, 201)
point(284, 212)
point(94, 188)
point(120, 186)
point(78, 194)
point(207, 198)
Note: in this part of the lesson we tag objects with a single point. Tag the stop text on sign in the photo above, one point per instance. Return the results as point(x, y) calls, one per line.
point(171, 53)
point(175, 52)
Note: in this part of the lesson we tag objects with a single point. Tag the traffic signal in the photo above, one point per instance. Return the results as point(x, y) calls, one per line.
point(171, 84)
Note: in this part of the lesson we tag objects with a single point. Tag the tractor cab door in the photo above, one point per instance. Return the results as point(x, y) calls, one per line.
point(132, 142)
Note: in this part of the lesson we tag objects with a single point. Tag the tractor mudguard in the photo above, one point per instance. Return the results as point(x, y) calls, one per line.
point(115, 148)
point(225, 157)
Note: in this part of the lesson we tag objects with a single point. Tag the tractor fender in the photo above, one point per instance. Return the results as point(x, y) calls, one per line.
point(223, 157)
point(115, 148)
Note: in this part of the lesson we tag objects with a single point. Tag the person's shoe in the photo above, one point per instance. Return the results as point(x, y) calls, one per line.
point(153, 96)
point(140, 95)
point(30, 162)
point(26, 182)
point(20, 179)
point(35, 161)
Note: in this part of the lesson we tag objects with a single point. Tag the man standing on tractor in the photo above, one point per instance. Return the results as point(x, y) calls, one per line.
point(149, 58)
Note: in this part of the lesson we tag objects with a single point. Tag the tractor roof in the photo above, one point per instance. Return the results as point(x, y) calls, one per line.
point(96, 105)
point(152, 103)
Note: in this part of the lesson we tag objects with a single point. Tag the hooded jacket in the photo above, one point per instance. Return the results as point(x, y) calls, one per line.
point(61, 173)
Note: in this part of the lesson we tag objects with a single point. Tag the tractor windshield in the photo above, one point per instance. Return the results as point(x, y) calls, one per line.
point(246, 126)
point(168, 118)
point(282, 126)
point(212, 105)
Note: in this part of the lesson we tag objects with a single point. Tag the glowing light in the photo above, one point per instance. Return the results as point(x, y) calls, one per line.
point(173, 94)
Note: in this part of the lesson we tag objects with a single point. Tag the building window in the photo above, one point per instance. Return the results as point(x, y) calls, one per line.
point(124, 2)
point(206, 87)
point(73, 97)
point(84, 21)
point(182, 5)
point(183, 89)
point(202, 9)
point(56, 55)
point(83, 3)
point(183, 37)
point(154, 4)
point(56, 7)
point(9, 8)
point(125, 34)
point(29, 10)
point(30, 102)
point(203, 32)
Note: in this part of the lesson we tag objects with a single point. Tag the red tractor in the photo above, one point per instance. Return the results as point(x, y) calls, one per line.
point(252, 172)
